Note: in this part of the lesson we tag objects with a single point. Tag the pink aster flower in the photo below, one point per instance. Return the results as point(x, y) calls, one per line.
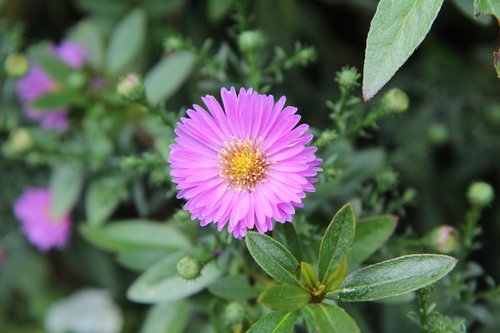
point(37, 83)
point(41, 228)
point(244, 163)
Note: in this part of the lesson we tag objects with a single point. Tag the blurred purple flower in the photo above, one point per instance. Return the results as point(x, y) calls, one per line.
point(37, 83)
point(245, 162)
point(41, 228)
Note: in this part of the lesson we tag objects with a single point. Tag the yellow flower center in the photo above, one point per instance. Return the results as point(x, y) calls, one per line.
point(243, 164)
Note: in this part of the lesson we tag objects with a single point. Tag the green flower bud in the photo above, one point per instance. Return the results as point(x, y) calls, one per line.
point(131, 87)
point(20, 140)
point(173, 43)
point(395, 101)
point(16, 65)
point(77, 80)
point(250, 40)
point(438, 134)
point(348, 77)
point(308, 275)
point(480, 194)
point(443, 239)
point(189, 268)
point(234, 313)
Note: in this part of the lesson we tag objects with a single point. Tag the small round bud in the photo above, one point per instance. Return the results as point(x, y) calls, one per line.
point(438, 134)
point(480, 194)
point(20, 140)
point(395, 101)
point(250, 40)
point(77, 80)
point(443, 239)
point(234, 313)
point(348, 77)
point(16, 65)
point(173, 43)
point(189, 268)
point(131, 87)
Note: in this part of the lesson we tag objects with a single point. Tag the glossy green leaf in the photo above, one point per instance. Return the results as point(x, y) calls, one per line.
point(167, 318)
point(126, 41)
point(168, 76)
point(396, 30)
point(56, 100)
point(135, 234)
point(161, 283)
point(234, 288)
point(275, 322)
point(103, 196)
point(50, 64)
point(273, 257)
point(336, 242)
point(142, 259)
point(286, 234)
point(371, 234)
point(65, 186)
point(88, 35)
point(285, 297)
point(487, 7)
point(328, 318)
point(393, 277)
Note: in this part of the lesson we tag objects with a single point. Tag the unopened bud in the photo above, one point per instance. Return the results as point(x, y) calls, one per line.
point(438, 134)
point(20, 140)
point(348, 77)
point(395, 101)
point(77, 80)
point(250, 40)
point(131, 87)
point(173, 43)
point(443, 239)
point(480, 194)
point(16, 65)
point(234, 313)
point(189, 268)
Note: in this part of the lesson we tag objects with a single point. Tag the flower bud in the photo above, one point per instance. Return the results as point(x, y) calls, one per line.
point(77, 80)
point(348, 77)
point(250, 40)
point(16, 65)
point(395, 101)
point(189, 268)
point(480, 194)
point(234, 313)
point(443, 239)
point(438, 134)
point(131, 87)
point(173, 43)
point(20, 140)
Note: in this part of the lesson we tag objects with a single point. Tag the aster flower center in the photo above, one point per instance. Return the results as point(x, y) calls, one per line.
point(243, 164)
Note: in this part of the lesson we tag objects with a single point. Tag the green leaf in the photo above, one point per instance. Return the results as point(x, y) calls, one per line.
point(161, 283)
point(135, 234)
point(103, 196)
point(275, 322)
point(286, 234)
point(371, 234)
point(284, 297)
point(168, 76)
point(140, 260)
point(168, 318)
point(56, 100)
point(50, 64)
point(487, 7)
point(396, 30)
point(65, 186)
point(126, 41)
point(336, 242)
point(328, 318)
point(393, 277)
point(272, 257)
point(234, 288)
point(88, 35)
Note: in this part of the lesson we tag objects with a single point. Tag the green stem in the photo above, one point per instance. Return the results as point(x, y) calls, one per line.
point(423, 296)
point(469, 231)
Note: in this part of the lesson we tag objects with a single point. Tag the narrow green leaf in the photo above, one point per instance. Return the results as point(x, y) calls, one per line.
point(140, 260)
point(167, 318)
point(275, 322)
point(396, 30)
point(103, 196)
point(286, 234)
point(88, 35)
point(284, 298)
point(126, 41)
point(65, 186)
point(234, 288)
point(272, 257)
point(393, 277)
point(50, 64)
point(328, 318)
point(487, 7)
point(168, 76)
point(56, 100)
point(371, 234)
point(161, 283)
point(336, 242)
point(135, 234)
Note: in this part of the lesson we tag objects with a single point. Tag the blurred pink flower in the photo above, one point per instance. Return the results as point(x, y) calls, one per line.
point(41, 228)
point(37, 83)
point(245, 162)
